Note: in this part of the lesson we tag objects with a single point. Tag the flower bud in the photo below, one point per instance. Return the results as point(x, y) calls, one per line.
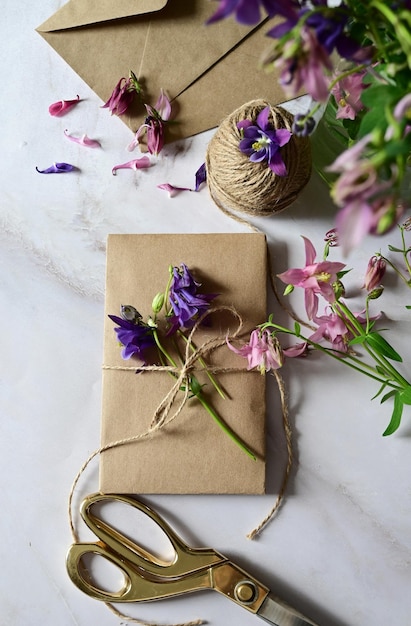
point(157, 303)
point(130, 314)
point(288, 290)
point(303, 125)
point(375, 272)
point(407, 224)
point(339, 289)
point(375, 293)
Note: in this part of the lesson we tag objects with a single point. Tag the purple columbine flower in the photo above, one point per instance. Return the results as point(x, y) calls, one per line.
point(135, 336)
point(186, 303)
point(327, 25)
point(261, 142)
point(247, 11)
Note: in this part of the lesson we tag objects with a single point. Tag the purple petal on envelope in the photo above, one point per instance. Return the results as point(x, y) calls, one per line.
point(135, 164)
point(62, 106)
point(57, 168)
point(83, 140)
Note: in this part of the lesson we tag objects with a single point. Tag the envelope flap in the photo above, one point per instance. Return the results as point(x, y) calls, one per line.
point(86, 12)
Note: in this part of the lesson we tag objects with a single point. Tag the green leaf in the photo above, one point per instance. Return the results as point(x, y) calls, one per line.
point(373, 119)
point(395, 417)
point(394, 249)
point(406, 395)
point(381, 345)
point(342, 273)
point(380, 95)
point(356, 340)
point(381, 389)
point(297, 329)
point(388, 395)
point(381, 370)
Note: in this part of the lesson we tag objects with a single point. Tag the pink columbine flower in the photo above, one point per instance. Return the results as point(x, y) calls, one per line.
point(304, 64)
point(154, 125)
point(121, 97)
point(347, 93)
point(314, 278)
point(375, 272)
point(368, 205)
point(62, 106)
point(333, 329)
point(135, 164)
point(83, 140)
point(263, 351)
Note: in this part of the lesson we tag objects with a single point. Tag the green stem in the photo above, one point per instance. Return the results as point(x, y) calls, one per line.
point(204, 364)
point(405, 252)
point(344, 358)
point(378, 358)
point(167, 291)
point(162, 349)
point(350, 361)
point(396, 270)
point(224, 426)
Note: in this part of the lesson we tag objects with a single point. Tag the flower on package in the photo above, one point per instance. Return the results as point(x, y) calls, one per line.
point(167, 335)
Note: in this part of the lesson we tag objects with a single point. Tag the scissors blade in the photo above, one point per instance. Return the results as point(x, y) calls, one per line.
point(279, 614)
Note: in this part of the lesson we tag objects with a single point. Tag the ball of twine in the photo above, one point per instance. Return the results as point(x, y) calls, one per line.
point(237, 183)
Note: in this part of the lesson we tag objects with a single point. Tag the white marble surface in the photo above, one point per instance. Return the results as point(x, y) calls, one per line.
point(340, 548)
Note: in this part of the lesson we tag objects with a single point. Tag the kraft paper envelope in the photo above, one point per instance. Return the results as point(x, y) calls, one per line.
point(190, 454)
point(208, 71)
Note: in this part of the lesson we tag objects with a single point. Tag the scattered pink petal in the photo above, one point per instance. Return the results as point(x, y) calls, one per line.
point(135, 164)
point(200, 178)
point(172, 189)
point(163, 106)
point(83, 140)
point(57, 168)
point(62, 106)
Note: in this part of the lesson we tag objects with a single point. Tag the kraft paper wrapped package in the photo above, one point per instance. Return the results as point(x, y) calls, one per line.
point(191, 454)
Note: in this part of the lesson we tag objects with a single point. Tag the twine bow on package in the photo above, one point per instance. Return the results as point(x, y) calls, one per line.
point(190, 453)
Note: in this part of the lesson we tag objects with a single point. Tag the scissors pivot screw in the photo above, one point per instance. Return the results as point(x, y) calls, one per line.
point(245, 592)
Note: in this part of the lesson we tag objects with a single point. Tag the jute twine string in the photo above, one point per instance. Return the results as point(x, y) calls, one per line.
point(163, 416)
point(236, 183)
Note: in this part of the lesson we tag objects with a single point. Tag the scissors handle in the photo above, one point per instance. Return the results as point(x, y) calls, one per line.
point(138, 586)
point(146, 577)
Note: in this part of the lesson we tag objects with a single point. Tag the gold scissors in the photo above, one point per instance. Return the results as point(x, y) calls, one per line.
point(147, 577)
